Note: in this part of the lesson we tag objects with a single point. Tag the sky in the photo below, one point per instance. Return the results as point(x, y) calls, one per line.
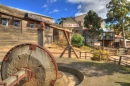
point(60, 8)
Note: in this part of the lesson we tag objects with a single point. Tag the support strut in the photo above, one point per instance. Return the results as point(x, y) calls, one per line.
point(17, 77)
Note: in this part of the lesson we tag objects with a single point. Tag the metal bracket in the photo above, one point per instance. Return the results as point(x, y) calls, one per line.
point(32, 47)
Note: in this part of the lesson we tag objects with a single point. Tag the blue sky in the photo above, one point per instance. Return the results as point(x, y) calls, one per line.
point(60, 8)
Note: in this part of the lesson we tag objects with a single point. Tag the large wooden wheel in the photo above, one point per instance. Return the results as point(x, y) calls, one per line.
point(35, 58)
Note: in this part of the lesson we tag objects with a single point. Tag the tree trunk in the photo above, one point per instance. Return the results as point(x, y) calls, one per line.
point(123, 34)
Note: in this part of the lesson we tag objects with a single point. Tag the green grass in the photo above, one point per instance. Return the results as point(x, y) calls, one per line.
point(86, 48)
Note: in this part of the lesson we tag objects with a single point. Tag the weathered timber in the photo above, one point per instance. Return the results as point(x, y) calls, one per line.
point(35, 58)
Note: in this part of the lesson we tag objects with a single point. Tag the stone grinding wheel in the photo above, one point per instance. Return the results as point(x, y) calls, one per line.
point(36, 58)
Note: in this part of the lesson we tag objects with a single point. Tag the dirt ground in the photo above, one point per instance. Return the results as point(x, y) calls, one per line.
point(97, 73)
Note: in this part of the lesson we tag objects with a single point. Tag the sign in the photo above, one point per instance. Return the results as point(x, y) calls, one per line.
point(117, 40)
point(70, 25)
point(97, 43)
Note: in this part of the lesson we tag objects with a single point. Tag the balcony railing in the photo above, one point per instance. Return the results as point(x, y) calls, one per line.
point(107, 38)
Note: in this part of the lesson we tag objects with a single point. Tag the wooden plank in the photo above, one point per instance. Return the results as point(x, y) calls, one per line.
point(14, 79)
point(74, 52)
point(11, 11)
point(5, 16)
point(37, 18)
point(63, 52)
point(59, 28)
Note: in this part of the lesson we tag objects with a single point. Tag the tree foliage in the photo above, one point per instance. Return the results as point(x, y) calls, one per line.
point(60, 20)
point(93, 22)
point(118, 11)
point(77, 40)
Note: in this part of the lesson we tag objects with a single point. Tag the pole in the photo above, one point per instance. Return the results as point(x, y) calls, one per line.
point(120, 60)
point(40, 34)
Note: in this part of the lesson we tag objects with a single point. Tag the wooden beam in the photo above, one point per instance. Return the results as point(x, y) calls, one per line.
point(40, 35)
point(69, 46)
point(59, 28)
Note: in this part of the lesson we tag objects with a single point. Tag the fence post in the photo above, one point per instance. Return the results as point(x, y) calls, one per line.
point(120, 60)
point(99, 58)
point(80, 54)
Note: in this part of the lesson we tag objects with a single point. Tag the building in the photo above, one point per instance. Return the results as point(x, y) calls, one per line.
point(86, 32)
point(24, 21)
point(80, 19)
point(69, 23)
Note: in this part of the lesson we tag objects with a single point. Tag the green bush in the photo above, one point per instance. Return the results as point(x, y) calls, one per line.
point(100, 54)
point(77, 40)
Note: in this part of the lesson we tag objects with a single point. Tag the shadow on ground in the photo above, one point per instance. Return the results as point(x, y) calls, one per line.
point(95, 68)
point(124, 83)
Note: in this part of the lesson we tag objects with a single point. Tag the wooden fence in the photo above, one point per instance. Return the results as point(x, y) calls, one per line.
point(124, 60)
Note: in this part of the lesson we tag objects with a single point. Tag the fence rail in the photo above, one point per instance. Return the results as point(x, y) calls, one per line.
point(125, 60)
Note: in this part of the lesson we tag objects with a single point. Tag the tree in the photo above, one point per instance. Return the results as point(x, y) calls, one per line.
point(60, 20)
point(93, 22)
point(117, 15)
point(77, 40)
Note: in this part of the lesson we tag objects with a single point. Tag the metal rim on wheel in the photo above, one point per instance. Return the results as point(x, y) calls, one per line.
point(31, 47)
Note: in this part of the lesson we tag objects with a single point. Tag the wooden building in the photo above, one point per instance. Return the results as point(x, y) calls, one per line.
point(17, 19)
point(70, 24)
point(107, 39)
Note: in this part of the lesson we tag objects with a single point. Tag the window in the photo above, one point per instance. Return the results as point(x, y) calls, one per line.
point(5, 22)
point(32, 25)
point(16, 22)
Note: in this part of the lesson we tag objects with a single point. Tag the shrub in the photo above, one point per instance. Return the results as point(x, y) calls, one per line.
point(77, 40)
point(100, 55)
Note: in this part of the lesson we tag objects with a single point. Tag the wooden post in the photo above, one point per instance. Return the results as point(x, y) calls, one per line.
point(68, 47)
point(80, 54)
point(67, 37)
point(120, 60)
point(21, 26)
point(99, 58)
point(63, 52)
point(69, 51)
point(40, 34)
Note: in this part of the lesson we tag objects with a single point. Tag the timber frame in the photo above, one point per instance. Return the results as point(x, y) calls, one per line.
point(14, 14)
point(67, 36)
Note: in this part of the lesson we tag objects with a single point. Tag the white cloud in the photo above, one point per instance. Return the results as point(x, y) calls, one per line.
point(45, 6)
point(79, 6)
point(54, 11)
point(99, 6)
point(77, 14)
point(66, 9)
point(51, 1)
